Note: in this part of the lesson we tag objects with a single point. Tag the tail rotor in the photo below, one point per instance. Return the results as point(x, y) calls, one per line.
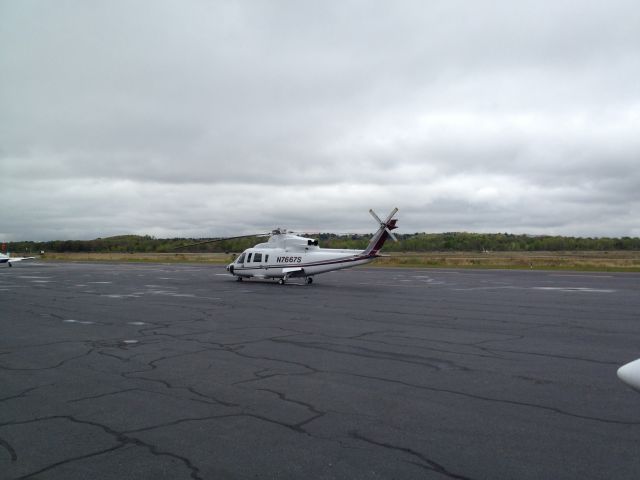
point(388, 224)
point(384, 232)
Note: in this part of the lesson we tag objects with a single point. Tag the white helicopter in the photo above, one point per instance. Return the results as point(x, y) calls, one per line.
point(287, 255)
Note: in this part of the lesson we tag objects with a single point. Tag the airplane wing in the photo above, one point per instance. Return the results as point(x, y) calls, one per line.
point(630, 374)
point(10, 260)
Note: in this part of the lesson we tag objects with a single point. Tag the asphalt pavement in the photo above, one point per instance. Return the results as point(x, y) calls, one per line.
point(136, 371)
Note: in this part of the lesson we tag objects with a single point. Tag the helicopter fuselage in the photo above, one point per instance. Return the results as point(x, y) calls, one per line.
point(261, 262)
point(286, 255)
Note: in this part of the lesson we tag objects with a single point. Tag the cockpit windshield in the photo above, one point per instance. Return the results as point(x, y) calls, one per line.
point(241, 258)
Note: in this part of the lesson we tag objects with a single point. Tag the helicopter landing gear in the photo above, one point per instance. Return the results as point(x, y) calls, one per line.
point(239, 279)
point(308, 280)
point(281, 281)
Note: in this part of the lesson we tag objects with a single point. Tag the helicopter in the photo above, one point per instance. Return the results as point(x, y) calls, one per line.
point(288, 255)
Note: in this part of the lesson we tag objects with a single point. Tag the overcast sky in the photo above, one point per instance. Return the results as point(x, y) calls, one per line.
point(207, 118)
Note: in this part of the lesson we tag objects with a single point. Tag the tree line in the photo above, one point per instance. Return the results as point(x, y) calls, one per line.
point(417, 242)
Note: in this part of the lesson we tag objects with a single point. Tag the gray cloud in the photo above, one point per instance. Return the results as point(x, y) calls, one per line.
point(208, 118)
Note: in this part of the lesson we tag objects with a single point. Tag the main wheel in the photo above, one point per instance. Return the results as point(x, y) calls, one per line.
point(281, 281)
point(309, 280)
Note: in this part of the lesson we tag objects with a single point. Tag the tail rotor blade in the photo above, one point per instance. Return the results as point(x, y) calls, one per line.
point(393, 212)
point(386, 224)
point(376, 217)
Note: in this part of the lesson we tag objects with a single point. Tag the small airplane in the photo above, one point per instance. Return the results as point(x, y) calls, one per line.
point(9, 259)
point(287, 255)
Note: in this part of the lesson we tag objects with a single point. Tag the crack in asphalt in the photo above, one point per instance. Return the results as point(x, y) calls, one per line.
point(316, 413)
point(69, 460)
point(152, 366)
point(430, 362)
point(51, 367)
point(24, 393)
point(122, 439)
point(489, 399)
point(7, 446)
point(425, 462)
point(427, 388)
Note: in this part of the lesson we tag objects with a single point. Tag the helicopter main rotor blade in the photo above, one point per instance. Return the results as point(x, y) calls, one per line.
point(222, 239)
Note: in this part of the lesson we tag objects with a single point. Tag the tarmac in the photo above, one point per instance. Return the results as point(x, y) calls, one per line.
point(136, 371)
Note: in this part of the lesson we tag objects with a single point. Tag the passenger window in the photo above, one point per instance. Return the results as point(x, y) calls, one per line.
point(249, 258)
point(266, 258)
point(257, 257)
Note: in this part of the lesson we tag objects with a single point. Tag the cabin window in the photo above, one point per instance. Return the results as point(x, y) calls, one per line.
point(249, 258)
point(257, 257)
point(241, 259)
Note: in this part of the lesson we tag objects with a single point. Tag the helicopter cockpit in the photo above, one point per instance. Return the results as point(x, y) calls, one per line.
point(251, 256)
